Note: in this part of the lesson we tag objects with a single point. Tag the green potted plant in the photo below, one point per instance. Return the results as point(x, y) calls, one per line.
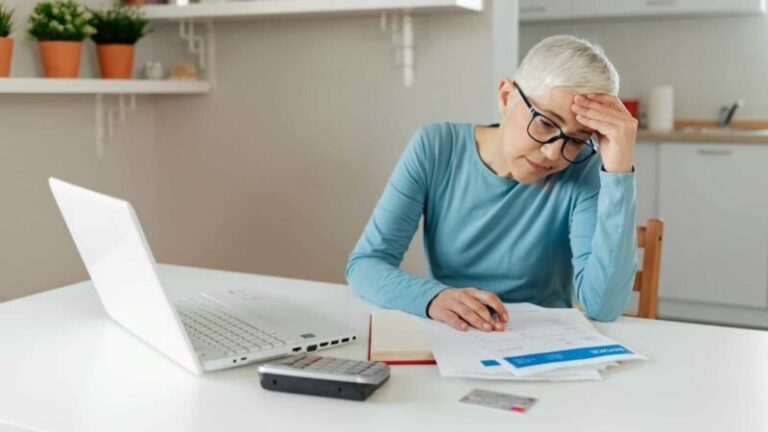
point(117, 31)
point(60, 26)
point(6, 43)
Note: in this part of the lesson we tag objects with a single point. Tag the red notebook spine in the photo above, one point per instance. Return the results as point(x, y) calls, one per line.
point(370, 327)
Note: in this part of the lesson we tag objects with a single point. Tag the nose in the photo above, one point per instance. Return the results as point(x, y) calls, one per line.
point(552, 150)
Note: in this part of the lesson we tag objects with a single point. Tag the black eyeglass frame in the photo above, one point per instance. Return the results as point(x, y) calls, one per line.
point(590, 144)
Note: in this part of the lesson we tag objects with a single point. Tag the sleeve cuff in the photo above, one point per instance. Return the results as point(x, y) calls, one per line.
point(619, 181)
point(426, 298)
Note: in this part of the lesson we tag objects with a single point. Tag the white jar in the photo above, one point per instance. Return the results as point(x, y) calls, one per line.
point(154, 70)
point(661, 116)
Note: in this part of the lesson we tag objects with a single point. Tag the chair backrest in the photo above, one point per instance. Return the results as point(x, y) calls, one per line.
point(647, 278)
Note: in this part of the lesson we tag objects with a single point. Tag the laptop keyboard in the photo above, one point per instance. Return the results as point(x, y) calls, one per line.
point(209, 322)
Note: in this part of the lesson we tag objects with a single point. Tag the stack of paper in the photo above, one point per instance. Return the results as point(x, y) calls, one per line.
point(538, 344)
point(396, 338)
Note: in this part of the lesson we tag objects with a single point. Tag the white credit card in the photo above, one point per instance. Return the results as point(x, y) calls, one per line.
point(502, 401)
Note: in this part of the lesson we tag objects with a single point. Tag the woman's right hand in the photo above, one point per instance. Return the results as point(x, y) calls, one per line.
point(465, 307)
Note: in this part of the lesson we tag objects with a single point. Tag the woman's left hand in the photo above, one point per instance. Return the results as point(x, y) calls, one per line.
point(615, 127)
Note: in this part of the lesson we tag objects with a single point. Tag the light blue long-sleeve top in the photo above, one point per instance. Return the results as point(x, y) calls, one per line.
point(526, 243)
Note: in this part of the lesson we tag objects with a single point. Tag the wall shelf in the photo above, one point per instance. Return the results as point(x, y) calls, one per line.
point(290, 8)
point(109, 116)
point(101, 86)
point(115, 99)
point(396, 17)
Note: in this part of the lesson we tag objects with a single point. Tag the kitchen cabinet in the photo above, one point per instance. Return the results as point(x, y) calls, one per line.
point(646, 181)
point(535, 10)
point(552, 10)
point(712, 198)
point(715, 208)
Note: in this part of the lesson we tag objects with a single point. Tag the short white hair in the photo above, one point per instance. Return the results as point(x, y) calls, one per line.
point(567, 61)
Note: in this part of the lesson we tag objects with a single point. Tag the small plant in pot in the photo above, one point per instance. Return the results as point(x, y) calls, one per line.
point(6, 43)
point(117, 31)
point(60, 26)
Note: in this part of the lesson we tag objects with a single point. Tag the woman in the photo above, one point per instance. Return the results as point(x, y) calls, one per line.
point(522, 212)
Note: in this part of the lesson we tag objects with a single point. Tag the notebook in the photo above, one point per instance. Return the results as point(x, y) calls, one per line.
point(397, 338)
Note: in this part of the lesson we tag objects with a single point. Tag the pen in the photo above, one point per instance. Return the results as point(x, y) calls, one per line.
point(495, 316)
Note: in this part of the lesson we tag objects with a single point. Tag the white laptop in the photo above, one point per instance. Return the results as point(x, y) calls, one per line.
point(202, 331)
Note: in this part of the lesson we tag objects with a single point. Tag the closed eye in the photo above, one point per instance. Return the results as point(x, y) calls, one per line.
point(548, 123)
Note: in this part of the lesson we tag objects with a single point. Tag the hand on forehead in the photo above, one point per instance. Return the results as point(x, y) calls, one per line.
point(600, 102)
point(556, 103)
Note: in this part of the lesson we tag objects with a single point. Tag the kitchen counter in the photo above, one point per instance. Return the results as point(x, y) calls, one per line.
point(714, 135)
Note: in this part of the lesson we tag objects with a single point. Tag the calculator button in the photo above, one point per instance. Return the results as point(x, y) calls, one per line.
point(371, 371)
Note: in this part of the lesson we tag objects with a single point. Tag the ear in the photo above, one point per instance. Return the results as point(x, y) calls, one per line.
point(506, 95)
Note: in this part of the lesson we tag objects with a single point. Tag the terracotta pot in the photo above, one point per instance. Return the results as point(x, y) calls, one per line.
point(61, 59)
point(115, 60)
point(6, 53)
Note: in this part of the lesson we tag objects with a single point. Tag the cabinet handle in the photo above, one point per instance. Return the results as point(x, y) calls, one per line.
point(660, 2)
point(533, 9)
point(713, 152)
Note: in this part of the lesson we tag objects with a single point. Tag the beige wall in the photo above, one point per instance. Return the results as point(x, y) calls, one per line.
point(278, 170)
point(275, 172)
point(50, 135)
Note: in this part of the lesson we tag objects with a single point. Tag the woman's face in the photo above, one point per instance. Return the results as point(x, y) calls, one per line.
point(530, 161)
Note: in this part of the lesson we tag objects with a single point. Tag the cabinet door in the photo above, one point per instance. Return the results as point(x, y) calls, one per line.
point(693, 7)
point(541, 10)
point(532, 10)
point(716, 6)
point(714, 202)
point(646, 180)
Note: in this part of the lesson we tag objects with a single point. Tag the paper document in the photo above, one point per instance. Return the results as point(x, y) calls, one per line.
point(548, 339)
point(461, 360)
point(538, 343)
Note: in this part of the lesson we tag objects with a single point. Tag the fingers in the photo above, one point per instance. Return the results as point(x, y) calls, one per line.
point(607, 99)
point(603, 99)
point(446, 308)
point(492, 300)
point(598, 99)
point(465, 307)
point(598, 111)
point(453, 320)
point(606, 103)
point(616, 128)
point(604, 113)
point(602, 126)
point(470, 310)
point(470, 298)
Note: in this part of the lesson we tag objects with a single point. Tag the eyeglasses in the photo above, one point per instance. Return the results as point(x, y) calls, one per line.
point(544, 130)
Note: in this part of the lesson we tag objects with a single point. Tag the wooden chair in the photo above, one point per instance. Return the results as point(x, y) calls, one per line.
point(647, 278)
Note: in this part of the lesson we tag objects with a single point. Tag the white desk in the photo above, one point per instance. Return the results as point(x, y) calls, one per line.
point(66, 367)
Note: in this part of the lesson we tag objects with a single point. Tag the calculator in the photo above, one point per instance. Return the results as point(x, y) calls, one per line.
point(324, 376)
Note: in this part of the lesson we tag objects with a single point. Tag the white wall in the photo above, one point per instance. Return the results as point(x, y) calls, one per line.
point(709, 61)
